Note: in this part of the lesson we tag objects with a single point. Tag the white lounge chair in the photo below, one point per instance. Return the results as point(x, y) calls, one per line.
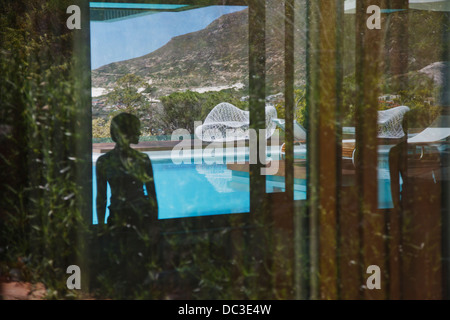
point(226, 122)
point(390, 122)
point(438, 131)
point(389, 127)
point(299, 131)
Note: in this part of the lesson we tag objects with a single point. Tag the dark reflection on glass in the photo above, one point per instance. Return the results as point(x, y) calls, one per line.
point(127, 171)
point(416, 186)
point(130, 231)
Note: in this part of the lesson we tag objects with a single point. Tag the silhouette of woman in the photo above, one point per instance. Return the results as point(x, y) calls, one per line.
point(131, 229)
point(127, 171)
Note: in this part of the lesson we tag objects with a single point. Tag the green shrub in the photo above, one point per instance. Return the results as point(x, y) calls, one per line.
point(182, 109)
point(41, 218)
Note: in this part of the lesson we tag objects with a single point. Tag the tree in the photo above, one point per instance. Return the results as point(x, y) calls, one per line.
point(182, 109)
point(42, 213)
point(101, 128)
point(299, 106)
point(128, 96)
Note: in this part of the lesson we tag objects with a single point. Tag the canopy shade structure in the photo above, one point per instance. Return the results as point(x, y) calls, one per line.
point(429, 5)
point(113, 11)
point(226, 122)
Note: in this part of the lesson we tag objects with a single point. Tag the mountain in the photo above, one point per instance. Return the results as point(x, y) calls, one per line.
point(213, 57)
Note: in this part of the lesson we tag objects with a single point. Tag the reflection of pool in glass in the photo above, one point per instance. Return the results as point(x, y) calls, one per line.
point(191, 190)
point(384, 184)
point(186, 190)
point(384, 180)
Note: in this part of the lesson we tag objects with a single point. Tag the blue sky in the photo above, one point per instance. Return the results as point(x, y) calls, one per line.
point(135, 37)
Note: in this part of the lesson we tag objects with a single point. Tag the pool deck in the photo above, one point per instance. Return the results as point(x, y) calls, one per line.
point(299, 168)
point(146, 146)
point(141, 146)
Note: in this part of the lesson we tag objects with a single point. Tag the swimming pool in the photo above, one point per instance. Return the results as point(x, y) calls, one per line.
point(191, 190)
point(185, 190)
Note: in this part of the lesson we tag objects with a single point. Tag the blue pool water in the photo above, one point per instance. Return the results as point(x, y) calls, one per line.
point(190, 190)
point(185, 190)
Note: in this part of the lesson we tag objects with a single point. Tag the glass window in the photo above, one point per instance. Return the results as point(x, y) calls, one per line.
point(183, 71)
point(254, 149)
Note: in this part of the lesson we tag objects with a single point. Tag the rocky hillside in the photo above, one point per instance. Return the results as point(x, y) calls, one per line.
point(213, 57)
